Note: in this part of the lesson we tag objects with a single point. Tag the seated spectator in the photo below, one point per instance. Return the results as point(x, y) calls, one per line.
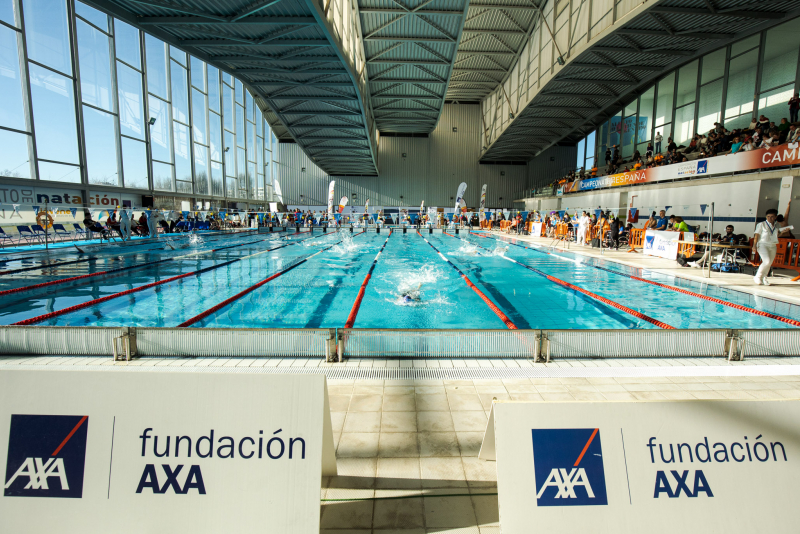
point(662, 221)
point(784, 125)
point(753, 123)
point(90, 224)
point(736, 146)
point(671, 146)
point(680, 225)
point(649, 152)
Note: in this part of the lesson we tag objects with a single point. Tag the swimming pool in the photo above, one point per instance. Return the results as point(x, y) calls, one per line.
point(313, 279)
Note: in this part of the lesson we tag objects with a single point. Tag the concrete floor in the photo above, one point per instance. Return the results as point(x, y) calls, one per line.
point(421, 438)
point(782, 287)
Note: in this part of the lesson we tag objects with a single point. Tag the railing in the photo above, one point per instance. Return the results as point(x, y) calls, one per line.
point(325, 343)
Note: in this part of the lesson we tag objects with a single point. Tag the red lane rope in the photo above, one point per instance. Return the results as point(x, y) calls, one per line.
point(710, 299)
point(59, 264)
point(351, 319)
point(46, 316)
point(228, 301)
point(681, 290)
point(110, 271)
point(486, 299)
point(604, 300)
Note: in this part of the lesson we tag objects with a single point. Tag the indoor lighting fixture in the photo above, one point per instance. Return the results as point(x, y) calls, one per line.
point(152, 121)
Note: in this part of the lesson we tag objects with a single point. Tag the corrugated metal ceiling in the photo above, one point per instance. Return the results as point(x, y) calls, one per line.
point(625, 62)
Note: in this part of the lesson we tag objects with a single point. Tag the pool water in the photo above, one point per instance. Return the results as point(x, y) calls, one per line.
point(322, 274)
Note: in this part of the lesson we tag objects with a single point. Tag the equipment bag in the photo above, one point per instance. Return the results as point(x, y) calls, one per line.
point(596, 242)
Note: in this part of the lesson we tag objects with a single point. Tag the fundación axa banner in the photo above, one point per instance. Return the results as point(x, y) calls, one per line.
point(660, 467)
point(143, 452)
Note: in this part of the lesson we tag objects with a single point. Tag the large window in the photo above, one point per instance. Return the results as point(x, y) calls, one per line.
point(88, 99)
point(756, 75)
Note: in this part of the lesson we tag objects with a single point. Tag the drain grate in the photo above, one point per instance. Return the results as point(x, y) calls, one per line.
point(774, 367)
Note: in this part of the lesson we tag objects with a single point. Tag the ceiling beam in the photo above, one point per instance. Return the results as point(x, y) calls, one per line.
point(408, 61)
point(164, 21)
point(496, 32)
point(594, 81)
point(328, 138)
point(648, 68)
point(407, 80)
point(664, 33)
point(407, 110)
point(315, 97)
point(405, 12)
point(273, 82)
point(286, 71)
point(409, 97)
point(328, 126)
point(737, 13)
point(655, 51)
point(277, 42)
point(410, 39)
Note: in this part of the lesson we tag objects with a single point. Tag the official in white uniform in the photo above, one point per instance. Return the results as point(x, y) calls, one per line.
point(766, 243)
point(152, 223)
point(583, 225)
point(124, 223)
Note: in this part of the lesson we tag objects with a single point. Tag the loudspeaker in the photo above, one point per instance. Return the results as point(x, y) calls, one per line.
point(147, 201)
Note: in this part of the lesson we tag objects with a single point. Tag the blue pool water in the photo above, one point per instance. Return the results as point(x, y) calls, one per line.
point(326, 271)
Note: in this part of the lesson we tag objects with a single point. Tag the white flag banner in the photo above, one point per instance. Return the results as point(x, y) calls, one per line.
point(330, 197)
point(460, 195)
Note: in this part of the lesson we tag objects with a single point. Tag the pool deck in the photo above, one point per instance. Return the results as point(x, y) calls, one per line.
point(782, 288)
point(420, 438)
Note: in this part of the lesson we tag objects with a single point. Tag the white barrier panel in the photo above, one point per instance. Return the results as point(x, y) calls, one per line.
point(655, 467)
point(163, 452)
point(661, 244)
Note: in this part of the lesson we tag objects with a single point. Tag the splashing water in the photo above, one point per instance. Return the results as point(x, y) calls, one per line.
point(420, 284)
point(499, 250)
point(468, 248)
point(347, 245)
point(195, 240)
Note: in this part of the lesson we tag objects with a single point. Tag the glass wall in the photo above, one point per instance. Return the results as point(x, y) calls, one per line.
point(89, 99)
point(754, 76)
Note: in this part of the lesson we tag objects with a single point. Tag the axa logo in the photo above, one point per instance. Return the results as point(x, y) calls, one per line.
point(568, 465)
point(46, 456)
point(702, 167)
point(649, 240)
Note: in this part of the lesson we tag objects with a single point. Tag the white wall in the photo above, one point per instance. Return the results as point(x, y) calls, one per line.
point(431, 171)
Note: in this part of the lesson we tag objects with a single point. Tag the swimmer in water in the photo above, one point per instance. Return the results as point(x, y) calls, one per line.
point(410, 296)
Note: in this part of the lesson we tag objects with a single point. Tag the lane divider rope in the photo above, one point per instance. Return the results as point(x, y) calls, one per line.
point(604, 300)
point(46, 316)
point(351, 319)
point(480, 293)
point(228, 301)
point(118, 270)
point(715, 300)
point(71, 262)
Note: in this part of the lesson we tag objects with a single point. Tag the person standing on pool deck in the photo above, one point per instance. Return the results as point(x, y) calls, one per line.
point(124, 224)
point(583, 224)
point(152, 223)
point(765, 242)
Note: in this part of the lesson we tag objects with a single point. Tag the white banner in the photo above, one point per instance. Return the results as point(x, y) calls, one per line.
point(537, 229)
point(130, 452)
point(462, 188)
point(330, 198)
point(655, 467)
point(661, 244)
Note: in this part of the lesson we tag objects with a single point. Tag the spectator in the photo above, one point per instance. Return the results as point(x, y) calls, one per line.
point(792, 134)
point(680, 225)
point(651, 222)
point(662, 221)
point(613, 232)
point(753, 123)
point(608, 156)
point(763, 121)
point(658, 139)
point(794, 106)
point(736, 146)
point(783, 126)
point(649, 152)
point(671, 146)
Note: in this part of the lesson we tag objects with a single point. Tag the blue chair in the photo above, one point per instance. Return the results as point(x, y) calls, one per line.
point(79, 231)
point(39, 232)
point(60, 231)
point(5, 237)
point(26, 234)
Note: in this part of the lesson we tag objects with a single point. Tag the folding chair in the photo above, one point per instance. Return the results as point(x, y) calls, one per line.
point(5, 237)
point(26, 234)
point(79, 231)
point(39, 232)
point(60, 231)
